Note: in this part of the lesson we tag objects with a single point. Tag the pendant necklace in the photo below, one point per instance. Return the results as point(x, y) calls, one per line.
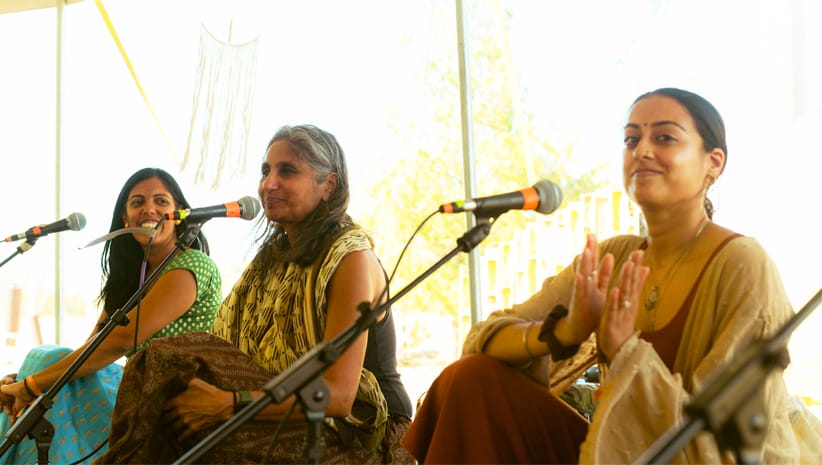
point(653, 294)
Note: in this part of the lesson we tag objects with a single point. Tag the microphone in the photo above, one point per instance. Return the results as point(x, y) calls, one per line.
point(75, 222)
point(245, 208)
point(544, 197)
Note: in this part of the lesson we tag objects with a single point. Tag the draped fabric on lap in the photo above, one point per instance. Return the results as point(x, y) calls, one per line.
point(164, 369)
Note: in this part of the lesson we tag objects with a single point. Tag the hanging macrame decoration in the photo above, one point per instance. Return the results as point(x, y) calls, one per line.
point(221, 109)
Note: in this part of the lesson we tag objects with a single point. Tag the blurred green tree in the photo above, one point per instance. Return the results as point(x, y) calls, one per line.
point(510, 153)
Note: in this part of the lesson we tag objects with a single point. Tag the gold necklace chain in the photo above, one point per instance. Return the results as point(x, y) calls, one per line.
point(653, 295)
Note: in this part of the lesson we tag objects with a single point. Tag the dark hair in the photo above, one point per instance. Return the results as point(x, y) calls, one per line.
point(708, 122)
point(122, 255)
point(321, 150)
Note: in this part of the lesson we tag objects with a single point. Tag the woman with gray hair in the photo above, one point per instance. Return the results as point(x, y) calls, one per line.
point(313, 269)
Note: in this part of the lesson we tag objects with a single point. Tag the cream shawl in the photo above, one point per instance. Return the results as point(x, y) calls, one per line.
point(740, 297)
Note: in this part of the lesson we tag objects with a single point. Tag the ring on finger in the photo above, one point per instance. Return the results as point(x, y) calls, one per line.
point(626, 303)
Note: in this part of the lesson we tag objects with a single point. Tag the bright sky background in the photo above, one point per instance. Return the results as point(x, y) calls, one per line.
point(358, 66)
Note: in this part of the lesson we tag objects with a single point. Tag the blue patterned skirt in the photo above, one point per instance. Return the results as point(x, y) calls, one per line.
point(81, 414)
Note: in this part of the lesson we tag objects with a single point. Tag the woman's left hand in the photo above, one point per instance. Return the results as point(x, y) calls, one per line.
point(201, 405)
point(618, 321)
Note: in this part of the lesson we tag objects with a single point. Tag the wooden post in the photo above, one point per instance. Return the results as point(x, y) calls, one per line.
point(14, 317)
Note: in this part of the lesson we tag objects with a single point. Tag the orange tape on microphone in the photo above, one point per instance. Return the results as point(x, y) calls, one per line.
point(232, 210)
point(531, 198)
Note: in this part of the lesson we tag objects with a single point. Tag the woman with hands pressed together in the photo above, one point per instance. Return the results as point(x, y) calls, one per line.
point(185, 297)
point(660, 314)
point(313, 269)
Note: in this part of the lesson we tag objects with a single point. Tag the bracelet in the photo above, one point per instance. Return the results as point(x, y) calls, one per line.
point(244, 399)
point(546, 334)
point(525, 339)
point(28, 389)
point(32, 385)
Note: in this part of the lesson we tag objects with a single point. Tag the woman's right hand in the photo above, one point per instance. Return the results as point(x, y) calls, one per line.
point(20, 398)
point(588, 296)
point(7, 401)
point(199, 406)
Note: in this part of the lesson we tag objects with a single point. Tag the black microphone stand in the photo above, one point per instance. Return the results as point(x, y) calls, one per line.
point(732, 404)
point(21, 249)
point(32, 422)
point(304, 377)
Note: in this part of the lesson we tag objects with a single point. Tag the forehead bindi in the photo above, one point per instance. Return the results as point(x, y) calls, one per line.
point(659, 111)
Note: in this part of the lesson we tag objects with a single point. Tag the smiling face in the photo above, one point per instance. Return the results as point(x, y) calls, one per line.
point(146, 204)
point(664, 160)
point(288, 188)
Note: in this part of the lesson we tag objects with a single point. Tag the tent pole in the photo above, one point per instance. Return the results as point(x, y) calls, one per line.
point(466, 115)
point(58, 177)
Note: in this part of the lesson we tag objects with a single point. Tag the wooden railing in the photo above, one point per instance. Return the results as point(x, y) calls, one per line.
point(514, 270)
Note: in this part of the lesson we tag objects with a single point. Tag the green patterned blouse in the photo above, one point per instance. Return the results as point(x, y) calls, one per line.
point(200, 317)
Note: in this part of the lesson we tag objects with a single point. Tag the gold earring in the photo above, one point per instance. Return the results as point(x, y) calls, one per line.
point(125, 224)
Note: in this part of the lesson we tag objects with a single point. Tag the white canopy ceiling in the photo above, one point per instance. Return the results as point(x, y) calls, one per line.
point(11, 6)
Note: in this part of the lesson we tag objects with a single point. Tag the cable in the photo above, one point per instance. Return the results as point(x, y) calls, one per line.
point(402, 253)
point(143, 268)
point(270, 450)
point(90, 454)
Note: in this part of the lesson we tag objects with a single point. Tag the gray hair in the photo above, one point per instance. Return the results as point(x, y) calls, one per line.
point(323, 153)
